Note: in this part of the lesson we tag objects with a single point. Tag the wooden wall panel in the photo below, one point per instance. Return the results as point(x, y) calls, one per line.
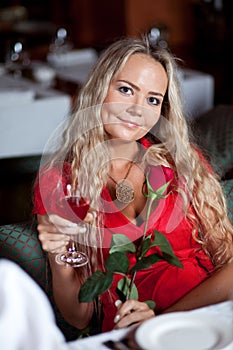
point(176, 15)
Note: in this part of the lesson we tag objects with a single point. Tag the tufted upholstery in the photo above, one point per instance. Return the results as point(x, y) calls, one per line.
point(227, 186)
point(19, 242)
point(214, 132)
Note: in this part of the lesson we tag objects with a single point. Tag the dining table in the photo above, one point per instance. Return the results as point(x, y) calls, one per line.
point(38, 100)
point(29, 114)
point(216, 332)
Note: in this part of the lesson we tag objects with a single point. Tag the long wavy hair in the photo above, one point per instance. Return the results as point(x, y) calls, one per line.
point(84, 146)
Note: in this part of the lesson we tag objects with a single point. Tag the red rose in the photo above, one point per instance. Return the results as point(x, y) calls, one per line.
point(159, 175)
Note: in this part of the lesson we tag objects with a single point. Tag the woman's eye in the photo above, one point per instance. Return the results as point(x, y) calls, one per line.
point(125, 90)
point(153, 100)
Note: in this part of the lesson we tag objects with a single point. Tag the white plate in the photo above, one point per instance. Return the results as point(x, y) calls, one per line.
point(184, 331)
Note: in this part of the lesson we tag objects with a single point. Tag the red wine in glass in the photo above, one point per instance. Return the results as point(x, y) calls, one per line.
point(73, 208)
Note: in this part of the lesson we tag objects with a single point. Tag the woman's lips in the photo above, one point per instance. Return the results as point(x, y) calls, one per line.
point(131, 124)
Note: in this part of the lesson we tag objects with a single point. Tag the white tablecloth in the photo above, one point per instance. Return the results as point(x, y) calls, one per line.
point(29, 115)
point(27, 321)
point(197, 90)
point(223, 312)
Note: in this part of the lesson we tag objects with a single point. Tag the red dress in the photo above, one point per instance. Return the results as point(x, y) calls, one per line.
point(163, 283)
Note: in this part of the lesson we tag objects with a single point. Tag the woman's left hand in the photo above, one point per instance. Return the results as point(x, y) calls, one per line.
point(131, 312)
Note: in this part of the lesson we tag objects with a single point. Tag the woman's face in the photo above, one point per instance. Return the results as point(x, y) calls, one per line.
point(134, 98)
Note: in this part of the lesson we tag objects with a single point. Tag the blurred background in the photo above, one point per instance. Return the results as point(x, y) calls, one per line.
point(35, 34)
point(198, 31)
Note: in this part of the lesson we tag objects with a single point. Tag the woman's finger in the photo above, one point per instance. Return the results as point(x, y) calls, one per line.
point(132, 305)
point(132, 311)
point(91, 217)
point(134, 318)
point(55, 231)
point(53, 242)
point(61, 225)
point(54, 247)
point(59, 221)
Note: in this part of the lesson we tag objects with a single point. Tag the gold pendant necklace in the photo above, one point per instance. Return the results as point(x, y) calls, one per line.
point(124, 191)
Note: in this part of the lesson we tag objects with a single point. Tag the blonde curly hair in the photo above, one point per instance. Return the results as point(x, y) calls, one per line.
point(85, 148)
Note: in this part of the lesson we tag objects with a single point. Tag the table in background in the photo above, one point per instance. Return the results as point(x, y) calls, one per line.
point(197, 87)
point(25, 128)
point(29, 114)
point(197, 92)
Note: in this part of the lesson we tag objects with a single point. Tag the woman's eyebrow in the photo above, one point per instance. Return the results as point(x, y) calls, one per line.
point(137, 88)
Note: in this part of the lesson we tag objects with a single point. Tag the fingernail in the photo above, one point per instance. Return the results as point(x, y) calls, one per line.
point(82, 229)
point(116, 319)
point(118, 303)
point(94, 214)
point(71, 224)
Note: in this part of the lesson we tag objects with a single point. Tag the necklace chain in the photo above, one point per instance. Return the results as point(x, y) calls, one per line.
point(126, 175)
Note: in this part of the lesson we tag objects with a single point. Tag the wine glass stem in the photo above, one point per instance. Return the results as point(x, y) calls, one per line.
point(72, 245)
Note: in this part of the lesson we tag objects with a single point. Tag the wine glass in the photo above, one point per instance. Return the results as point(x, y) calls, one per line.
point(61, 43)
point(73, 207)
point(17, 57)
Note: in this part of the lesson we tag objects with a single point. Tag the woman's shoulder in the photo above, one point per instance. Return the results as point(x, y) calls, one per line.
point(50, 175)
point(48, 179)
point(58, 169)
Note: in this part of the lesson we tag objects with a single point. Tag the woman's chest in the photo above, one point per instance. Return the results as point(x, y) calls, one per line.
point(129, 198)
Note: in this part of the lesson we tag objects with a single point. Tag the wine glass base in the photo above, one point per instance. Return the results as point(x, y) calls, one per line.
point(72, 258)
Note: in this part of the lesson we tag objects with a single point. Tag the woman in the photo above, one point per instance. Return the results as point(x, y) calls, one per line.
point(129, 119)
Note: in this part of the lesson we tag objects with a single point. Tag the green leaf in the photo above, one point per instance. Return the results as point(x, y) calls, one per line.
point(121, 243)
point(117, 262)
point(95, 285)
point(156, 194)
point(145, 262)
point(123, 287)
point(151, 304)
point(161, 241)
point(146, 246)
point(173, 260)
point(121, 295)
point(84, 333)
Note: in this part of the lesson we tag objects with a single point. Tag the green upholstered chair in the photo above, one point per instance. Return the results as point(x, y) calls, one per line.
point(214, 132)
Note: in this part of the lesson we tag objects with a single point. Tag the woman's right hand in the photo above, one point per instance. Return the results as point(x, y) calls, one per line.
point(53, 232)
point(131, 312)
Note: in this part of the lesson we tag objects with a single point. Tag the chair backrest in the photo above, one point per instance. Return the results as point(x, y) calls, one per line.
point(19, 243)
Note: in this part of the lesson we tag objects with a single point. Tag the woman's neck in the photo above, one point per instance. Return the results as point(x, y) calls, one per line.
point(125, 150)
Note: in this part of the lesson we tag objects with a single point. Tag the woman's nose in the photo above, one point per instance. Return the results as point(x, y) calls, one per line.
point(136, 107)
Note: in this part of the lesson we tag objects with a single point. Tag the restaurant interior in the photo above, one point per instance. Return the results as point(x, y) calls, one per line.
point(32, 33)
point(47, 50)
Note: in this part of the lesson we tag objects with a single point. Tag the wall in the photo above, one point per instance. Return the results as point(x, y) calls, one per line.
point(176, 15)
point(96, 23)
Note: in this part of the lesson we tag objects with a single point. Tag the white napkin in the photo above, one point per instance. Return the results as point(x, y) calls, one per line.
point(73, 57)
point(27, 321)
